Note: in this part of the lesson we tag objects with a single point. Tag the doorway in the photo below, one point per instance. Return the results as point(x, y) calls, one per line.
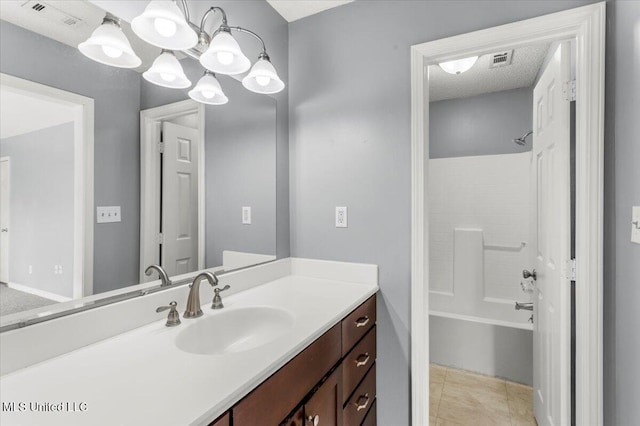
point(48, 135)
point(172, 188)
point(499, 197)
point(586, 26)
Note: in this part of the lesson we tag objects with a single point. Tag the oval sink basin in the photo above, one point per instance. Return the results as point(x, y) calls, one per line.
point(235, 330)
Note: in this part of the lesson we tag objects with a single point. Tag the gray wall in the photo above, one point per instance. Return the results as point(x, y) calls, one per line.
point(41, 208)
point(116, 93)
point(480, 125)
point(258, 16)
point(350, 145)
point(240, 158)
point(622, 190)
point(494, 350)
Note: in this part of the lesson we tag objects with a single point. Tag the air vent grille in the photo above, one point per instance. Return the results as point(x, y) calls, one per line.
point(501, 59)
point(52, 12)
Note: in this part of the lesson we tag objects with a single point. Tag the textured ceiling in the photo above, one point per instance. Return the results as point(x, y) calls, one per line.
point(292, 10)
point(21, 112)
point(522, 72)
point(89, 15)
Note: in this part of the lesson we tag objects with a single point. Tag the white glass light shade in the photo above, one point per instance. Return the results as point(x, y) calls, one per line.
point(166, 71)
point(208, 91)
point(263, 78)
point(224, 56)
point(163, 24)
point(109, 46)
point(459, 65)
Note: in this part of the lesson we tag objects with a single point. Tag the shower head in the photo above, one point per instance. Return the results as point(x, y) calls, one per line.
point(522, 139)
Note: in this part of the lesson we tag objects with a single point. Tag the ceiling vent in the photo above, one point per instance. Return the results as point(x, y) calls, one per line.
point(501, 59)
point(52, 14)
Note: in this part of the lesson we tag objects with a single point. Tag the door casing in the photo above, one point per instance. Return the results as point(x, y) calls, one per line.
point(587, 26)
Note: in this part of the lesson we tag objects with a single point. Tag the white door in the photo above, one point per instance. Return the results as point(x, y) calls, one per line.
point(4, 219)
point(179, 199)
point(550, 168)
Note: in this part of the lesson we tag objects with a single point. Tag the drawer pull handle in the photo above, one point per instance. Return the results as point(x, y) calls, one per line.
point(362, 321)
point(362, 359)
point(362, 402)
point(313, 420)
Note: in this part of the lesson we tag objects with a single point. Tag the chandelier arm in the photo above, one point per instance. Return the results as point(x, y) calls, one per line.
point(246, 31)
point(208, 13)
point(187, 16)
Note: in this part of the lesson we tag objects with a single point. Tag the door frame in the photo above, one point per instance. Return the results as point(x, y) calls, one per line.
point(150, 124)
point(7, 256)
point(83, 129)
point(587, 26)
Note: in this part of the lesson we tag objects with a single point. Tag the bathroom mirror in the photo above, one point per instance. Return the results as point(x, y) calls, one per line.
point(104, 173)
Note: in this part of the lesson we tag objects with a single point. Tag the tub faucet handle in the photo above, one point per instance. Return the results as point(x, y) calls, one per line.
point(527, 274)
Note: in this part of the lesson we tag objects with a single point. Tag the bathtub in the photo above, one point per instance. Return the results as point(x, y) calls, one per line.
point(496, 348)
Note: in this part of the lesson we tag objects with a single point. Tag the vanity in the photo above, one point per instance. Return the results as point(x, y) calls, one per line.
point(295, 344)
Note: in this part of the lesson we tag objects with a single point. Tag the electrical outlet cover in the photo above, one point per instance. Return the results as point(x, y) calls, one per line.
point(341, 217)
point(635, 224)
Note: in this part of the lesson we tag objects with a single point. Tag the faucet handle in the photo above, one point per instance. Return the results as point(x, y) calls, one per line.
point(173, 318)
point(217, 300)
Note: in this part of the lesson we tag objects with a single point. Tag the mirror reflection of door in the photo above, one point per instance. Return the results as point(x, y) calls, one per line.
point(179, 197)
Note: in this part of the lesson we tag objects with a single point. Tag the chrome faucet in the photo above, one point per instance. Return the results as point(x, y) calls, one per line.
point(166, 282)
point(193, 301)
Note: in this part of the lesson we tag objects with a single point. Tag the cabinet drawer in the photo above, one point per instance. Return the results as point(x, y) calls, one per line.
point(358, 405)
point(372, 416)
point(222, 421)
point(358, 362)
point(358, 323)
point(274, 399)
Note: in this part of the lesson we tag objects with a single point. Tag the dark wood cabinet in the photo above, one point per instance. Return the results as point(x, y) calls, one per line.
point(324, 408)
point(224, 420)
point(361, 401)
point(274, 399)
point(330, 383)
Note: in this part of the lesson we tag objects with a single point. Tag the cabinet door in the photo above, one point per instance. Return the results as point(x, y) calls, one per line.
point(296, 420)
point(325, 406)
point(222, 421)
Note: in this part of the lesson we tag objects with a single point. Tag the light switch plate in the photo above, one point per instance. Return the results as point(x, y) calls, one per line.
point(108, 214)
point(341, 217)
point(635, 224)
point(246, 215)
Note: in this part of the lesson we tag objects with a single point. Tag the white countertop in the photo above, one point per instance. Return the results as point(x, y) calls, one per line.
point(141, 377)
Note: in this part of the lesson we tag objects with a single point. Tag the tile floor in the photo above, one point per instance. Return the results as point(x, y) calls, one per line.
point(462, 398)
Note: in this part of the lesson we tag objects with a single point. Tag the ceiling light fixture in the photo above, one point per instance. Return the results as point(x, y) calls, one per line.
point(459, 65)
point(224, 55)
point(208, 90)
point(263, 77)
point(109, 46)
point(166, 71)
point(163, 24)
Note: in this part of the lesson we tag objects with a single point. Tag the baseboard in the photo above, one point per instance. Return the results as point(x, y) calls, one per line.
point(36, 292)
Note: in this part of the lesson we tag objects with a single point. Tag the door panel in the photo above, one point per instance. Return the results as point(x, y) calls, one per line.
point(4, 219)
point(180, 199)
point(551, 166)
point(324, 408)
